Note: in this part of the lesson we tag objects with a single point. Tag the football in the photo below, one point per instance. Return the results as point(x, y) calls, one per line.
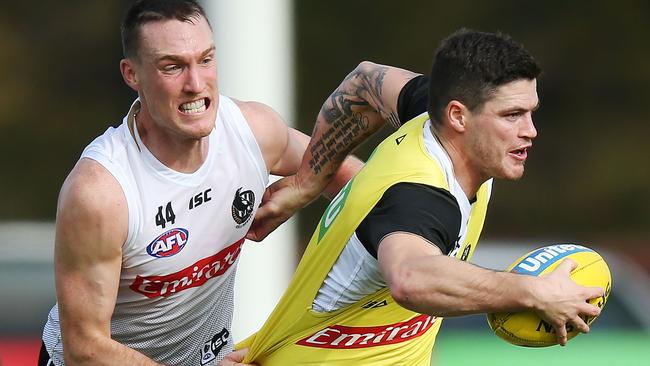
point(528, 329)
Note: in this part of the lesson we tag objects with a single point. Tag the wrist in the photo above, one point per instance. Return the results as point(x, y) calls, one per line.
point(309, 186)
point(529, 292)
point(518, 292)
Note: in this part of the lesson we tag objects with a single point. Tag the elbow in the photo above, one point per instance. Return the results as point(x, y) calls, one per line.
point(366, 67)
point(412, 292)
point(360, 77)
point(80, 350)
point(401, 296)
point(403, 290)
point(77, 356)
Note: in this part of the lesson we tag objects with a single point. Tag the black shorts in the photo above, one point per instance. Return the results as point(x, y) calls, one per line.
point(44, 357)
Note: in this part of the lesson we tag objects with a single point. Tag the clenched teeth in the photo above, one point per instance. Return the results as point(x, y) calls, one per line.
point(196, 106)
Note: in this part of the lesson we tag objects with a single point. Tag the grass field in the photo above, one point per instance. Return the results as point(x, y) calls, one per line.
point(604, 348)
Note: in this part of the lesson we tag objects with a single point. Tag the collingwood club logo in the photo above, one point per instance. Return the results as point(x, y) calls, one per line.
point(242, 206)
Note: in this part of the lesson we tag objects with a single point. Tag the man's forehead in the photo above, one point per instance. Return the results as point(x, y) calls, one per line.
point(522, 92)
point(176, 37)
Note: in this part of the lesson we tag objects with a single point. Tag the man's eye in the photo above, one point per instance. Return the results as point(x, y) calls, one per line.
point(514, 115)
point(207, 60)
point(171, 68)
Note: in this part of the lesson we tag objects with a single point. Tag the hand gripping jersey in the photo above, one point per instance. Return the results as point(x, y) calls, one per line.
point(175, 297)
point(375, 330)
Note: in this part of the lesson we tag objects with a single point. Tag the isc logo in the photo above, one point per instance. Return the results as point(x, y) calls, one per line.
point(168, 243)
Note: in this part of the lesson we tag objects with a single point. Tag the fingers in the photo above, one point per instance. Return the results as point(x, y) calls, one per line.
point(259, 233)
point(261, 228)
point(264, 223)
point(590, 310)
point(579, 324)
point(251, 235)
point(281, 200)
point(595, 292)
point(568, 306)
point(561, 334)
point(567, 266)
point(235, 358)
point(255, 231)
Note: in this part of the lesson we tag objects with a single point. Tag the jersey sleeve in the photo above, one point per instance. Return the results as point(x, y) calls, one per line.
point(430, 212)
point(413, 98)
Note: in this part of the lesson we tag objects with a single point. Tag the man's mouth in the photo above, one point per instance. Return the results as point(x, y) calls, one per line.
point(520, 154)
point(196, 106)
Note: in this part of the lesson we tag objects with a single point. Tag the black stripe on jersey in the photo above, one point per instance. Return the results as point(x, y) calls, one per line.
point(429, 212)
point(413, 98)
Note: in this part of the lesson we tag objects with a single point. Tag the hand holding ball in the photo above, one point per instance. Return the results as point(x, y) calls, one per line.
point(527, 328)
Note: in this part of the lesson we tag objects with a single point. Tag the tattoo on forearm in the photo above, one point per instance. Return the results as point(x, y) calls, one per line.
point(347, 114)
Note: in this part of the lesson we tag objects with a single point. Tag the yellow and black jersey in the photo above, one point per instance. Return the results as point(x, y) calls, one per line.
point(375, 329)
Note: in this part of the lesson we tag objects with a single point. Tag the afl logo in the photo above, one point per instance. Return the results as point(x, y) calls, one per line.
point(242, 206)
point(168, 243)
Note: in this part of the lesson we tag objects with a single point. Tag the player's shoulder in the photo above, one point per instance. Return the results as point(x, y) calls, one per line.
point(256, 112)
point(268, 127)
point(91, 191)
point(92, 214)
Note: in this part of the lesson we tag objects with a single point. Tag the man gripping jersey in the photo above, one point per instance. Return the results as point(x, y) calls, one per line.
point(389, 257)
point(151, 219)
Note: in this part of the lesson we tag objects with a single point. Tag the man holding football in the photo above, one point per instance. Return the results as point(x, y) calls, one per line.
point(389, 257)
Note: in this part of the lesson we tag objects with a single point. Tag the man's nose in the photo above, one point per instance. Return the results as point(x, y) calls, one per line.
point(528, 129)
point(193, 81)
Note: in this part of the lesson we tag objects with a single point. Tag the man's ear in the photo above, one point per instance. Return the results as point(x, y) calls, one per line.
point(457, 115)
point(127, 68)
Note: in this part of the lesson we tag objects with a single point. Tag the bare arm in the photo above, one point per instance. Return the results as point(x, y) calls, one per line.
point(290, 161)
point(360, 106)
point(364, 101)
point(282, 149)
point(91, 226)
point(421, 279)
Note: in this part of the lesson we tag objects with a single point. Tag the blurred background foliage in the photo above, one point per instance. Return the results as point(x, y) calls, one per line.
point(588, 175)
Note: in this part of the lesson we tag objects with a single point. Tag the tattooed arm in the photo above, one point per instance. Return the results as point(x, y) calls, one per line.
point(364, 101)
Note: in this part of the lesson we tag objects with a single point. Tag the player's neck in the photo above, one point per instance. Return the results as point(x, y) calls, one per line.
point(179, 153)
point(466, 174)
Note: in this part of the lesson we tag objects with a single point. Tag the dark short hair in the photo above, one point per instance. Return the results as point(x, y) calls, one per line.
point(145, 11)
point(469, 66)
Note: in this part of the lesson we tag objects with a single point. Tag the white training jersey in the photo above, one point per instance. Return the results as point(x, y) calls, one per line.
point(175, 297)
point(356, 272)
